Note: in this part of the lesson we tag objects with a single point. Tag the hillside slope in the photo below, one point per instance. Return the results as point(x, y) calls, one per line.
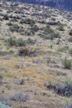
point(35, 56)
point(60, 4)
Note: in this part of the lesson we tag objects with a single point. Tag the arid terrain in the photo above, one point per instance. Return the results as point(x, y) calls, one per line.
point(59, 4)
point(35, 56)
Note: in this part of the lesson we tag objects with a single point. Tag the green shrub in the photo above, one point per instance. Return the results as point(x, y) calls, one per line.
point(70, 51)
point(70, 33)
point(34, 28)
point(70, 39)
point(61, 28)
point(6, 17)
point(12, 42)
point(48, 30)
point(21, 42)
point(67, 63)
point(68, 81)
point(14, 28)
point(9, 24)
point(27, 21)
point(11, 51)
point(4, 106)
point(53, 23)
point(48, 33)
point(63, 49)
point(31, 41)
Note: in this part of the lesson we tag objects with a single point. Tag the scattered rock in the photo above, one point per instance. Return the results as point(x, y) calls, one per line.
point(4, 53)
point(1, 77)
point(62, 89)
point(20, 82)
point(48, 58)
point(38, 61)
point(21, 65)
point(7, 57)
point(19, 97)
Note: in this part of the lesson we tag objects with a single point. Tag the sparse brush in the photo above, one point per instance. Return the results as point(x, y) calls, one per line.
point(70, 39)
point(6, 17)
point(28, 21)
point(68, 81)
point(70, 33)
point(70, 52)
point(24, 52)
point(12, 42)
point(21, 42)
point(61, 28)
point(67, 63)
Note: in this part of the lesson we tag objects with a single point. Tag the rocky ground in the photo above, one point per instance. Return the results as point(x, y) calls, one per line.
point(35, 56)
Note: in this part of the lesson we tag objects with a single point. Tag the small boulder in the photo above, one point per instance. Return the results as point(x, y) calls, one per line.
point(20, 82)
point(49, 85)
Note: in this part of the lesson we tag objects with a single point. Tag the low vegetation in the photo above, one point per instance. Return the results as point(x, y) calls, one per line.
point(35, 56)
point(69, 81)
point(67, 63)
point(48, 33)
point(4, 106)
point(61, 28)
point(70, 33)
point(14, 42)
point(27, 21)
